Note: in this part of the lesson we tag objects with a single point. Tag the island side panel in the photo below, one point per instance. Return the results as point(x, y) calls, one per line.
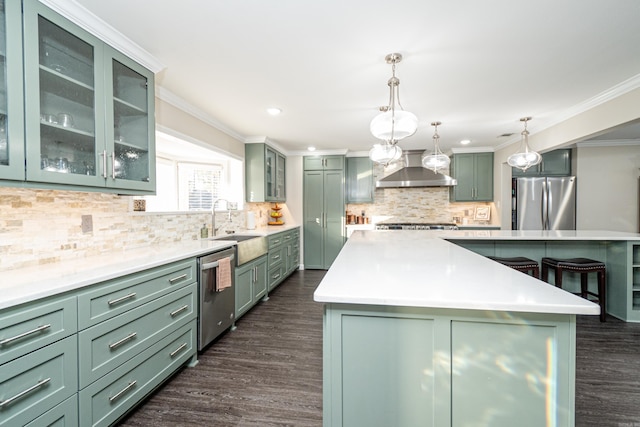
point(397, 365)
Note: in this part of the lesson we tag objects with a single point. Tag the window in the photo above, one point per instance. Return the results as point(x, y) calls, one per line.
point(191, 176)
point(199, 186)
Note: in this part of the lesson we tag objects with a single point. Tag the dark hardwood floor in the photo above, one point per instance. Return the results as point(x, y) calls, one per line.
point(268, 372)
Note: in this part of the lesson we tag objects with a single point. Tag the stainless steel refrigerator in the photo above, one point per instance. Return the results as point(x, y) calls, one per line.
point(544, 203)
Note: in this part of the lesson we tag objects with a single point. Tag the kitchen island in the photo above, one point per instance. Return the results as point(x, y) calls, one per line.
point(420, 331)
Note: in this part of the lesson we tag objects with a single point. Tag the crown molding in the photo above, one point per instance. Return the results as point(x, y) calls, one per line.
point(80, 16)
point(620, 89)
point(178, 102)
point(609, 143)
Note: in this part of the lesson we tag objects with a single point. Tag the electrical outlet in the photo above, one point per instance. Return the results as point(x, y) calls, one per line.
point(87, 223)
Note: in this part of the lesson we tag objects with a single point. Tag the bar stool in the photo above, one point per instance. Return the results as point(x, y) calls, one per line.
point(583, 266)
point(523, 264)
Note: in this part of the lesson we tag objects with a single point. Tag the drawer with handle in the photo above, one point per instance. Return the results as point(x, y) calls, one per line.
point(63, 415)
point(107, 345)
point(107, 399)
point(276, 275)
point(38, 381)
point(109, 299)
point(275, 240)
point(27, 327)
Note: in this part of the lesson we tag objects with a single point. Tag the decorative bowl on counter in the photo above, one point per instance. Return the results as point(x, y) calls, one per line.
point(275, 215)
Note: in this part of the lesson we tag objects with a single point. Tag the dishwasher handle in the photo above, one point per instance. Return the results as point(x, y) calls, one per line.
point(214, 264)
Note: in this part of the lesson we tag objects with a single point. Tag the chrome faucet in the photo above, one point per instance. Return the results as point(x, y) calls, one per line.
point(214, 230)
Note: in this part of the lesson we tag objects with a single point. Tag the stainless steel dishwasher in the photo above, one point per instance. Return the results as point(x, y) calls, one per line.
point(217, 308)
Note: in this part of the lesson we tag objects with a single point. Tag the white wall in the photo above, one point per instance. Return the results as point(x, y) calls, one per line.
point(294, 195)
point(607, 187)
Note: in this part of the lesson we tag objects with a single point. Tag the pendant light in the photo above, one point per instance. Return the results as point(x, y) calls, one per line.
point(525, 157)
point(392, 124)
point(436, 160)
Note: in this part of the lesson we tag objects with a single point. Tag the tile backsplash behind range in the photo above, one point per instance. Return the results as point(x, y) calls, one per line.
point(425, 204)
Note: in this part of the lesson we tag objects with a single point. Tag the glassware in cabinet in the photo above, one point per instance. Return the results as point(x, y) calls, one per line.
point(64, 111)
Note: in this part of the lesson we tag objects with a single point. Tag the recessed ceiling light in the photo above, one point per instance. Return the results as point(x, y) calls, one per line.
point(465, 141)
point(311, 148)
point(274, 111)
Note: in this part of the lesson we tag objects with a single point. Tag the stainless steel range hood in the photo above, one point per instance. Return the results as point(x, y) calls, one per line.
point(414, 175)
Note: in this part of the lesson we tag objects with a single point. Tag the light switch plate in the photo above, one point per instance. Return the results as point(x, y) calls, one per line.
point(87, 223)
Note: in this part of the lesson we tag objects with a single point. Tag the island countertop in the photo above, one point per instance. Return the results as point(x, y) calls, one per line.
point(421, 269)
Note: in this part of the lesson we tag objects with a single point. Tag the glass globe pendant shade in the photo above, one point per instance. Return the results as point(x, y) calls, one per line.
point(434, 161)
point(524, 158)
point(385, 153)
point(383, 126)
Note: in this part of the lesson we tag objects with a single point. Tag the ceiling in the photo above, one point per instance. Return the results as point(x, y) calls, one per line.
point(476, 66)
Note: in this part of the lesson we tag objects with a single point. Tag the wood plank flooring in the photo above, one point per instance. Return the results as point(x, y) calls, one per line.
point(268, 372)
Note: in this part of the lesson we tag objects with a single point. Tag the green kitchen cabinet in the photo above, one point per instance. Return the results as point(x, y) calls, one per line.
point(318, 163)
point(554, 163)
point(323, 216)
point(11, 93)
point(474, 172)
point(418, 366)
point(251, 284)
point(89, 110)
point(265, 174)
point(359, 180)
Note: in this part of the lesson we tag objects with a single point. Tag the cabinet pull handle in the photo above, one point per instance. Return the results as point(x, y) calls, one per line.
point(275, 276)
point(22, 394)
point(178, 350)
point(24, 334)
point(119, 394)
point(276, 256)
point(180, 277)
point(179, 310)
point(254, 279)
point(122, 341)
point(288, 250)
point(121, 299)
point(113, 165)
point(104, 164)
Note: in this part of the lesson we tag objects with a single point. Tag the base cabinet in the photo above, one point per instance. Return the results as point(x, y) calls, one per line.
point(403, 366)
point(106, 346)
point(251, 284)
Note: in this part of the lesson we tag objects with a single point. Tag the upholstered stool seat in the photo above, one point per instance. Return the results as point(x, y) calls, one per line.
point(582, 266)
point(523, 264)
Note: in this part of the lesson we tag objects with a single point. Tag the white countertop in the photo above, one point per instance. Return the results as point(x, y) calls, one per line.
point(597, 235)
point(28, 284)
point(420, 269)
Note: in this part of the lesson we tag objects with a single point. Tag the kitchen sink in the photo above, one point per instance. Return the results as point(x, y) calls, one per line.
point(249, 246)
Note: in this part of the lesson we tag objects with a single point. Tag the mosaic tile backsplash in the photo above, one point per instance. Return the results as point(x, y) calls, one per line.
point(46, 226)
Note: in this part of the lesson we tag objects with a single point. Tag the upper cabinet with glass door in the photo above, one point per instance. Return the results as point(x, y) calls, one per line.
point(88, 109)
point(11, 98)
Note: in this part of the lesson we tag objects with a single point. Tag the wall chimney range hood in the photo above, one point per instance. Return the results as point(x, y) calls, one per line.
point(414, 175)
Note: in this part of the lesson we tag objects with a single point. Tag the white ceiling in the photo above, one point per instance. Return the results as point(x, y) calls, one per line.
point(477, 66)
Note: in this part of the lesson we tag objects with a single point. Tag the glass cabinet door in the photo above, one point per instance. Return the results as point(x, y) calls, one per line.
point(130, 123)
point(270, 175)
point(11, 98)
point(280, 178)
point(64, 107)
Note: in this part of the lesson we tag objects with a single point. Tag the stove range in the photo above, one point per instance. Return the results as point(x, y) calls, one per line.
point(416, 226)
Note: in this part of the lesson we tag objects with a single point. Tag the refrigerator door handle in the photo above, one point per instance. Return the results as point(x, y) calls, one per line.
point(544, 205)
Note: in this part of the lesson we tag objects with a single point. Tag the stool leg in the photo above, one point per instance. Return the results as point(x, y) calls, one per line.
point(602, 295)
point(558, 273)
point(545, 273)
point(584, 285)
point(536, 272)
